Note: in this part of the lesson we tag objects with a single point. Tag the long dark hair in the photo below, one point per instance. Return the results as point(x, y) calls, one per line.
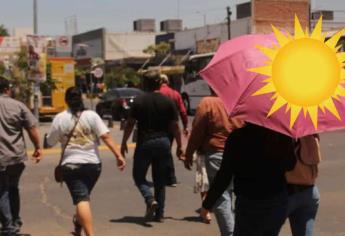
point(74, 100)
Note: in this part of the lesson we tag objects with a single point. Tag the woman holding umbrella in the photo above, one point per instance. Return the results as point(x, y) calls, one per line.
point(256, 159)
point(288, 84)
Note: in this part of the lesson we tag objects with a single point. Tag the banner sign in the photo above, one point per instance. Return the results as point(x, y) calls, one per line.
point(37, 57)
point(9, 45)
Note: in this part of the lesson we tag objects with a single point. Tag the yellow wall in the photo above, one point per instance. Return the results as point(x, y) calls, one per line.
point(62, 71)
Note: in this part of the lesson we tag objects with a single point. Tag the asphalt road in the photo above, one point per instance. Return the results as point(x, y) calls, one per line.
point(118, 208)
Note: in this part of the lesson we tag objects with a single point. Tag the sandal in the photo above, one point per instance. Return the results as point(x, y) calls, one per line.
point(77, 227)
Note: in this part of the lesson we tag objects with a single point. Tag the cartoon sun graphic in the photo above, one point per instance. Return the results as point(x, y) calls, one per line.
point(305, 73)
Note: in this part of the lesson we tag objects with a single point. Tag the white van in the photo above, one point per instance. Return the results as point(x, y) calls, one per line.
point(194, 88)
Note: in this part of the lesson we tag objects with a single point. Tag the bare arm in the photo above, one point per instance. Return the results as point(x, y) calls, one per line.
point(126, 133)
point(197, 135)
point(175, 129)
point(183, 114)
point(108, 140)
point(35, 139)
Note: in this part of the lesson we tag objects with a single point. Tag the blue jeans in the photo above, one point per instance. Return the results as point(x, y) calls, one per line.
point(302, 210)
point(9, 197)
point(157, 153)
point(171, 172)
point(223, 207)
point(260, 217)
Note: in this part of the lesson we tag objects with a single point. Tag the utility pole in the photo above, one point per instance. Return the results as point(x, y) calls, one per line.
point(35, 16)
point(228, 18)
point(36, 83)
point(178, 9)
point(203, 15)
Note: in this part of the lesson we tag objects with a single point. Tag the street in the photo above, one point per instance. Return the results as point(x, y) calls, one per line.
point(118, 209)
point(259, 57)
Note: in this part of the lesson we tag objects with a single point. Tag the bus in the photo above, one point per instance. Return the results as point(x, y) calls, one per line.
point(194, 88)
point(52, 101)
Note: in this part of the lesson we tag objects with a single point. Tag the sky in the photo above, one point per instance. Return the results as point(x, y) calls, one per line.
point(118, 15)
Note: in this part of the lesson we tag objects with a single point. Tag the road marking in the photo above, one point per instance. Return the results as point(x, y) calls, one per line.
point(44, 199)
point(52, 151)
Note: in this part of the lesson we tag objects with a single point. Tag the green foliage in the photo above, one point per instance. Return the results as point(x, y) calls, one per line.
point(48, 85)
point(120, 76)
point(97, 61)
point(23, 87)
point(162, 48)
point(80, 72)
point(3, 31)
point(22, 60)
point(2, 68)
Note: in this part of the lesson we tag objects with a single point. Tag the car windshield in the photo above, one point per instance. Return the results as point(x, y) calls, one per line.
point(128, 92)
point(110, 95)
point(194, 66)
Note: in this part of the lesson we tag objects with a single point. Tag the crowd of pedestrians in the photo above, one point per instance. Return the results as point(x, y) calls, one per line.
point(271, 175)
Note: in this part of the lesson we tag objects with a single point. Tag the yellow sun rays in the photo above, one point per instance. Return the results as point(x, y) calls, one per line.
point(304, 73)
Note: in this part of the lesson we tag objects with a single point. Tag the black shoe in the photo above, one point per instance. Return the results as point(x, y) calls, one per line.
point(8, 234)
point(150, 210)
point(172, 184)
point(77, 227)
point(17, 225)
point(159, 219)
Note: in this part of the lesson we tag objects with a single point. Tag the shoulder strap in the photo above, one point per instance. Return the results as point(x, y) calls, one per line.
point(69, 136)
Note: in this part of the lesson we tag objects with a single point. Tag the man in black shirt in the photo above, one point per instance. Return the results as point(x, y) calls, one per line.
point(156, 116)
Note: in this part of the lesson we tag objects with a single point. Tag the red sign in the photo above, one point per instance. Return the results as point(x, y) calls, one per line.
point(98, 73)
point(63, 41)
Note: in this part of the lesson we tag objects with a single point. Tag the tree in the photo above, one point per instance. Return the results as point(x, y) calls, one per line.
point(159, 52)
point(3, 31)
point(80, 72)
point(121, 76)
point(97, 61)
point(2, 68)
point(50, 84)
point(18, 76)
point(162, 48)
point(19, 79)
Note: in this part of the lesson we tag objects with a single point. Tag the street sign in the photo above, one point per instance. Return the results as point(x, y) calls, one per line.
point(63, 44)
point(63, 41)
point(98, 73)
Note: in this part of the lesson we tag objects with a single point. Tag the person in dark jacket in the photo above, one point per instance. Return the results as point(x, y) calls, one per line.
point(256, 158)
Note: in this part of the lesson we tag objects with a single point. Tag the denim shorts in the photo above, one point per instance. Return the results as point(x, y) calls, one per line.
point(80, 180)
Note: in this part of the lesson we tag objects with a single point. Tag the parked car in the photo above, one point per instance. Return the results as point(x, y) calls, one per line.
point(117, 102)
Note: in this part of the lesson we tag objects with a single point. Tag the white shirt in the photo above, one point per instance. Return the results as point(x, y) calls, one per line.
point(83, 145)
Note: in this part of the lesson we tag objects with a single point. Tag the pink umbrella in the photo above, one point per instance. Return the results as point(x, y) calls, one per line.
point(229, 76)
